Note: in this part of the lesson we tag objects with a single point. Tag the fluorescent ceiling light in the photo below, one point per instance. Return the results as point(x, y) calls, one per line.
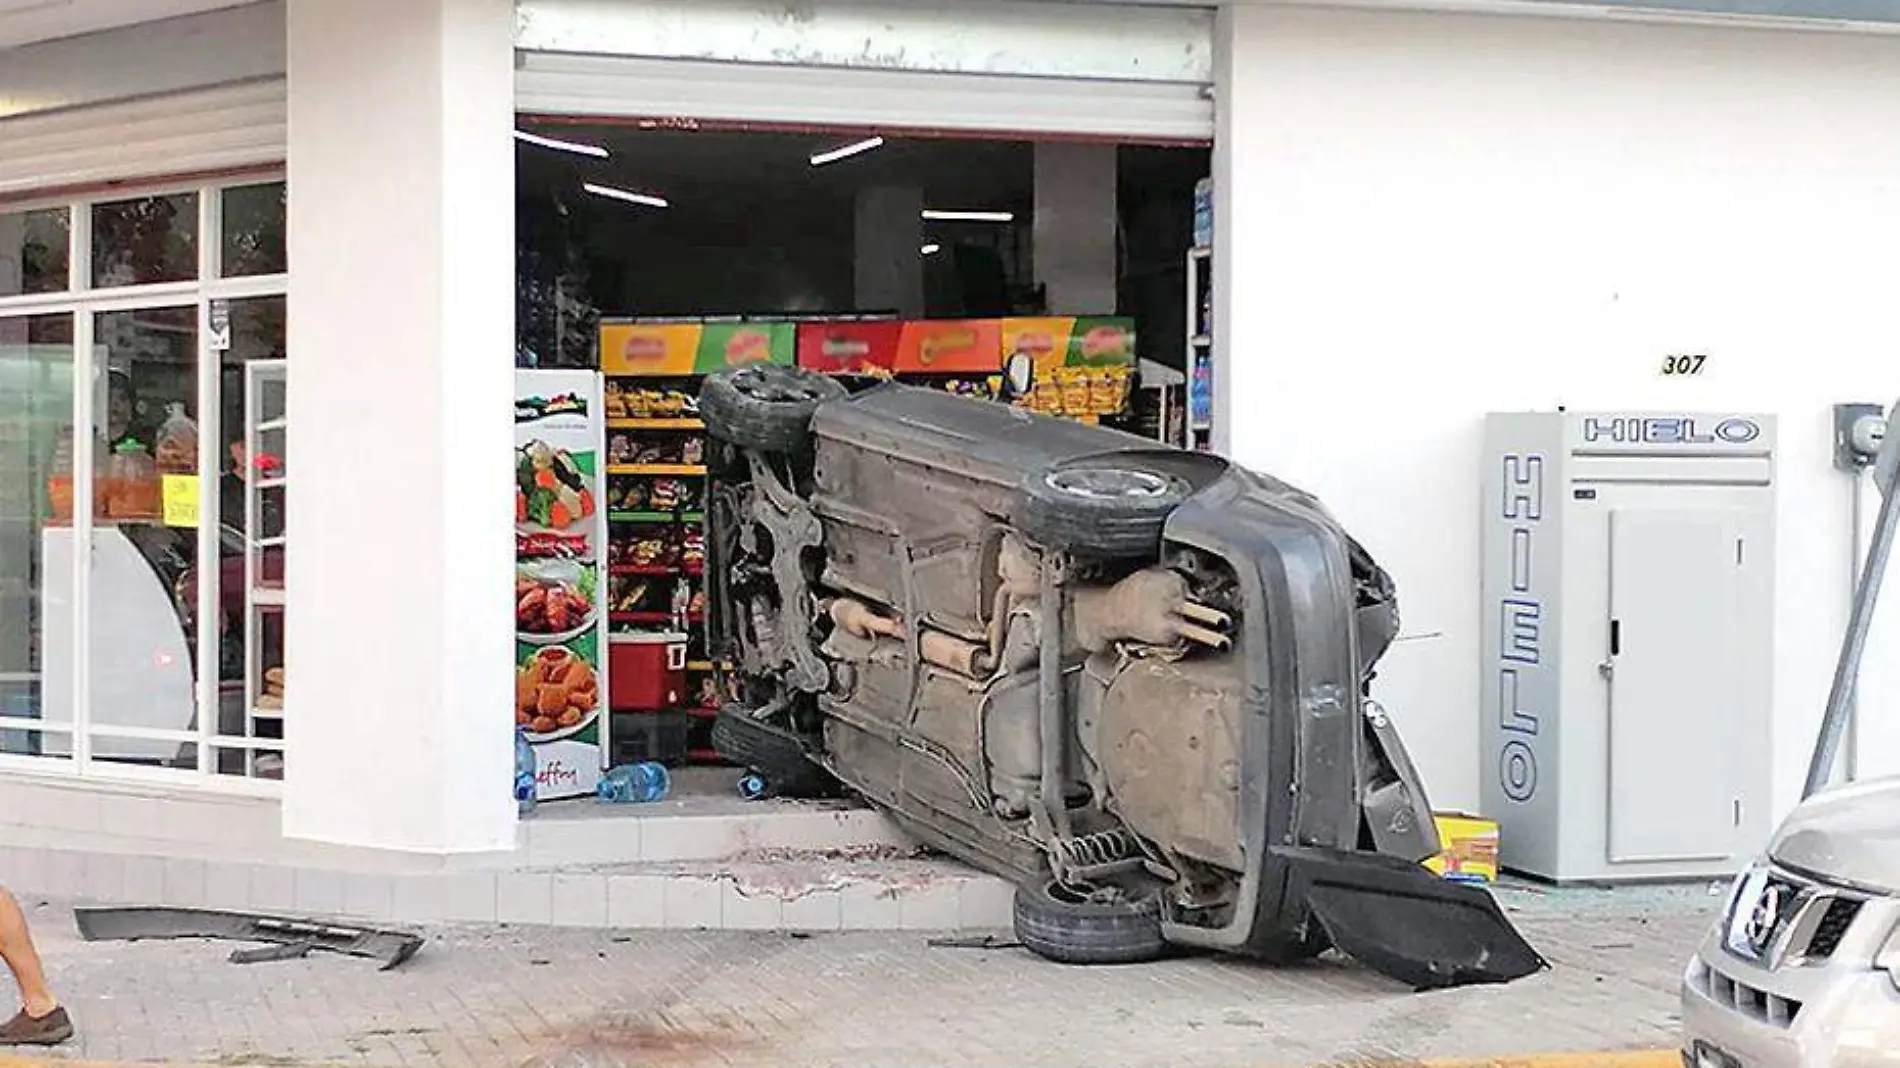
point(836, 154)
point(932, 249)
point(621, 194)
point(561, 146)
point(970, 216)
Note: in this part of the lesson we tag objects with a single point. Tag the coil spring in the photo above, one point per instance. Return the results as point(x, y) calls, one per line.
point(1088, 851)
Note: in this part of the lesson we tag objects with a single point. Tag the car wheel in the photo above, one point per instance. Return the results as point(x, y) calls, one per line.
point(765, 406)
point(1099, 508)
point(1058, 924)
point(779, 756)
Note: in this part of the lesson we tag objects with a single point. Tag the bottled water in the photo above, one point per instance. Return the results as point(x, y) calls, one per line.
point(525, 771)
point(636, 783)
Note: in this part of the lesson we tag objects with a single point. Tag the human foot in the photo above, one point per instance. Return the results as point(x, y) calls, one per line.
point(25, 1029)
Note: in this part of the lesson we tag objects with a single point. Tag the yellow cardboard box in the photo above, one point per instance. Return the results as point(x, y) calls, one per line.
point(1469, 848)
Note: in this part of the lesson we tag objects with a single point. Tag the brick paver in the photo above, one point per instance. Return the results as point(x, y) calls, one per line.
point(481, 997)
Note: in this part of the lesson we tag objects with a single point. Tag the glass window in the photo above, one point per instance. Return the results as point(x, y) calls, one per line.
point(36, 548)
point(254, 229)
point(35, 254)
point(142, 602)
point(251, 650)
point(145, 241)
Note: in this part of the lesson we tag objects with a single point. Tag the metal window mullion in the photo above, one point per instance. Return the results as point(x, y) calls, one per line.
point(134, 298)
point(249, 287)
point(253, 656)
point(85, 369)
point(210, 574)
point(34, 304)
point(79, 247)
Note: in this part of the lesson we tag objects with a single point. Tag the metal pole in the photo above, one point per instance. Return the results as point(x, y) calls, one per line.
point(1859, 620)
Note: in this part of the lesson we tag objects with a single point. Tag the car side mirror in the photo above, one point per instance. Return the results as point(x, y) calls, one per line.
point(1019, 374)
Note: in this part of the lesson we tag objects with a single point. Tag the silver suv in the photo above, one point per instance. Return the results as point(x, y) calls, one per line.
point(1803, 969)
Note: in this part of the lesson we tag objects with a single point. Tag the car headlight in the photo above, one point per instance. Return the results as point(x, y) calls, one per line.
point(1888, 959)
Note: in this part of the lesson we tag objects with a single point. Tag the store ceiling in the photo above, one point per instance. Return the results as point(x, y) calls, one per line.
point(679, 164)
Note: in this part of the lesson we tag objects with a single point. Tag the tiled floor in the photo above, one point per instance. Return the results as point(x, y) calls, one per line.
point(515, 997)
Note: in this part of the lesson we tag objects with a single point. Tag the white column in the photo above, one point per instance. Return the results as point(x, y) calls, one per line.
point(401, 171)
point(1075, 226)
point(889, 235)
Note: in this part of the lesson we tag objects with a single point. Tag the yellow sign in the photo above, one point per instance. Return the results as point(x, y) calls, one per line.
point(648, 348)
point(180, 495)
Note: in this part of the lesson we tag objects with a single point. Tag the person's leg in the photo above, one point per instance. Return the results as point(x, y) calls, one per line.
point(41, 1020)
point(16, 948)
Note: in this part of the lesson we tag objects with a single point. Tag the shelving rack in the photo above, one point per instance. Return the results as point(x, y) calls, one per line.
point(1200, 348)
point(654, 369)
point(265, 435)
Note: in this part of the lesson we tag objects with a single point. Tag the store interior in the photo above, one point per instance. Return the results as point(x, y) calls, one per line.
point(924, 258)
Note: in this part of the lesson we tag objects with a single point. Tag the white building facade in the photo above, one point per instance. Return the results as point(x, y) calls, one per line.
point(1422, 216)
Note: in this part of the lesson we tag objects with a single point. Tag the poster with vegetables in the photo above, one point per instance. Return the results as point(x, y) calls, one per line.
point(560, 595)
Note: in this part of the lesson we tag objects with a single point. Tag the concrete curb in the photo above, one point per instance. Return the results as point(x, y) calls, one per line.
point(1648, 1058)
point(1638, 1058)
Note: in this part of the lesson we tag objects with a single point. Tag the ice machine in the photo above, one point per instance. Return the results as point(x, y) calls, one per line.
point(1627, 641)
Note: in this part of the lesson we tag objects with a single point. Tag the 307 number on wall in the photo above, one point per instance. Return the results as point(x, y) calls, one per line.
point(1676, 365)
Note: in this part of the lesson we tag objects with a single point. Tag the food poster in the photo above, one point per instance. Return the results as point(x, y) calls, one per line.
point(723, 345)
point(1084, 367)
point(846, 347)
point(1102, 342)
point(631, 348)
point(1045, 340)
point(674, 348)
point(950, 346)
point(560, 583)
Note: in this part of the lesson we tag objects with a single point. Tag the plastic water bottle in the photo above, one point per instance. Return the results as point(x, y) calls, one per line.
point(526, 768)
point(645, 781)
point(754, 787)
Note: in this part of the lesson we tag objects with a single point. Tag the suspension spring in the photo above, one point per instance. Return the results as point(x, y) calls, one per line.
point(1091, 854)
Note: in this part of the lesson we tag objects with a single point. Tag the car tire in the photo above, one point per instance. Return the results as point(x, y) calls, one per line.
point(1107, 508)
point(765, 406)
point(779, 756)
point(1054, 924)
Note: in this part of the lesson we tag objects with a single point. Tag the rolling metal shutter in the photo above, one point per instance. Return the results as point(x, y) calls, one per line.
point(226, 127)
point(979, 66)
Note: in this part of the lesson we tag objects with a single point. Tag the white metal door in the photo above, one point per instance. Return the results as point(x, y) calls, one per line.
point(1674, 642)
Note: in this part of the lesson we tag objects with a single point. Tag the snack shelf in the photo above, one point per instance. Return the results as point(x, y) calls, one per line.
point(656, 517)
point(656, 464)
point(678, 470)
point(653, 618)
point(658, 570)
point(655, 424)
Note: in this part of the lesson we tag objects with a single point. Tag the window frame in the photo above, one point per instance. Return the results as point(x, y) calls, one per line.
point(82, 302)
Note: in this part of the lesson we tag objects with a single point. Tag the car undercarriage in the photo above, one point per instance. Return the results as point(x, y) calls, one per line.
point(1130, 679)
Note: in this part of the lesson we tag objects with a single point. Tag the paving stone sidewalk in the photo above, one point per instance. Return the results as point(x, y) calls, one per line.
point(485, 997)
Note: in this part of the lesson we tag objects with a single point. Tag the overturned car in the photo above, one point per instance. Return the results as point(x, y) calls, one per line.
point(1130, 679)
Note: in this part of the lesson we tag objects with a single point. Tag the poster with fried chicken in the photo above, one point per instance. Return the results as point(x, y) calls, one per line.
point(560, 591)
